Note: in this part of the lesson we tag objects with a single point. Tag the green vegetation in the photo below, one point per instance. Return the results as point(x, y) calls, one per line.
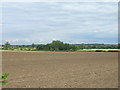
point(57, 46)
point(97, 46)
point(7, 46)
point(3, 77)
point(98, 50)
point(60, 46)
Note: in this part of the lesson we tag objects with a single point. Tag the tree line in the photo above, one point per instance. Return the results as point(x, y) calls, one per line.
point(54, 46)
point(58, 46)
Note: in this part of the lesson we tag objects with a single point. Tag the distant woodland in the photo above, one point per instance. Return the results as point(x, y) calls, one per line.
point(58, 46)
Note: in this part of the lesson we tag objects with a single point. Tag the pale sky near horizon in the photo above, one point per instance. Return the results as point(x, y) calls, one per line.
point(70, 22)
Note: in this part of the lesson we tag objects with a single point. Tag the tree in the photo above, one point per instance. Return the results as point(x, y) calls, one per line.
point(40, 47)
point(119, 46)
point(33, 45)
point(57, 46)
point(7, 46)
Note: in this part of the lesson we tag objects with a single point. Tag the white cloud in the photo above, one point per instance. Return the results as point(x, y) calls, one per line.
point(59, 0)
point(44, 22)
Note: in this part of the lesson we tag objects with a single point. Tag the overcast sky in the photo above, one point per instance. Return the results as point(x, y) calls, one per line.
point(75, 22)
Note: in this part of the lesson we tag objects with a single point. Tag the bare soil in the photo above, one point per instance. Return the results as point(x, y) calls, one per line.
point(61, 69)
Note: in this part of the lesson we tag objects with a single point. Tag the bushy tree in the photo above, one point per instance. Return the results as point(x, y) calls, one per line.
point(57, 46)
point(33, 45)
point(119, 46)
point(7, 46)
point(40, 47)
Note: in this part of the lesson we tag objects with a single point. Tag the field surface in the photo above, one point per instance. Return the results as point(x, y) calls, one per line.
point(61, 69)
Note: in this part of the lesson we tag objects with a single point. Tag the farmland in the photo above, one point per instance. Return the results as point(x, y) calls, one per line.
point(98, 50)
point(45, 69)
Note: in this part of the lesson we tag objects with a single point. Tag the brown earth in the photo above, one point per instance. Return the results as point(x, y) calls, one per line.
point(61, 69)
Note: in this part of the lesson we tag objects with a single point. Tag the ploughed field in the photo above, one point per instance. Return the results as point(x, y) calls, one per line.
point(61, 69)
